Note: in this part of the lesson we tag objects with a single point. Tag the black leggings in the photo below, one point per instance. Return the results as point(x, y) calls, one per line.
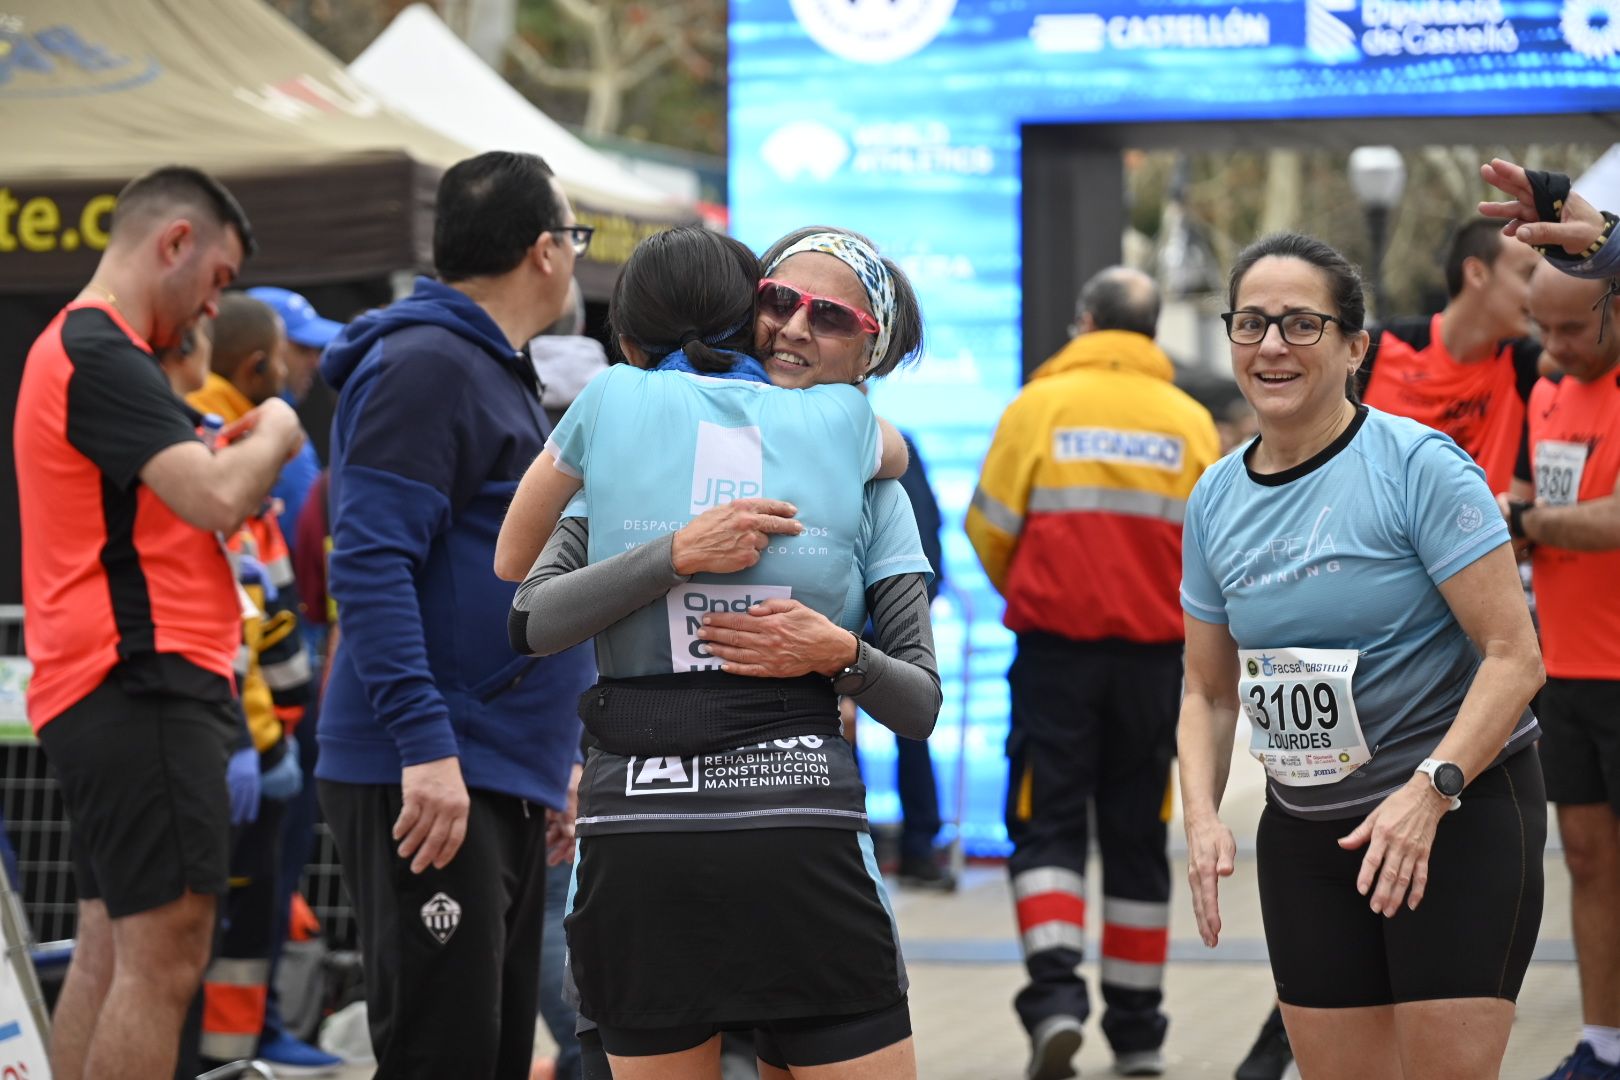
point(1471, 936)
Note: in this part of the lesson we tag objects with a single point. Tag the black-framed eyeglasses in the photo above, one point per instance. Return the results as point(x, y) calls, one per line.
point(1296, 327)
point(579, 236)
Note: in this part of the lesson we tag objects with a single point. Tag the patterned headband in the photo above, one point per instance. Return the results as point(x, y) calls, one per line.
point(868, 266)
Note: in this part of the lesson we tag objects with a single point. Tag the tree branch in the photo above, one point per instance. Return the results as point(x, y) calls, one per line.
point(542, 71)
point(637, 37)
point(583, 12)
point(645, 65)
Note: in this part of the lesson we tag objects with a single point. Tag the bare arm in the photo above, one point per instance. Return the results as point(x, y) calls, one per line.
point(1593, 525)
point(1588, 237)
point(218, 490)
point(896, 458)
point(1488, 603)
point(1518, 491)
point(541, 497)
point(1204, 734)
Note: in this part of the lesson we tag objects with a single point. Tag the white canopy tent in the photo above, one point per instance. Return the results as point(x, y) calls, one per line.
point(1601, 183)
point(420, 68)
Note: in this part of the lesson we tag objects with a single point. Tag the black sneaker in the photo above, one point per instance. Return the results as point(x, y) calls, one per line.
point(1270, 1055)
point(925, 872)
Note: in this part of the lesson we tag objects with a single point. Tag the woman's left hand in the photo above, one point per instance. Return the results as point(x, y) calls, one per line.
point(560, 823)
point(1398, 835)
point(778, 639)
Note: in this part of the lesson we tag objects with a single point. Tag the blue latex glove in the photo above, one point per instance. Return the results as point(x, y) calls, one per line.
point(252, 572)
point(242, 778)
point(286, 778)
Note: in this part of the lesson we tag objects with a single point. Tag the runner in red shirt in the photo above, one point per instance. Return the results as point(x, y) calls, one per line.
point(1573, 523)
point(1468, 370)
point(133, 619)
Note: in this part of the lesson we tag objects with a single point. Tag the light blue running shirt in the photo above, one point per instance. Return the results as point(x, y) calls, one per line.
point(887, 546)
point(655, 449)
point(1346, 551)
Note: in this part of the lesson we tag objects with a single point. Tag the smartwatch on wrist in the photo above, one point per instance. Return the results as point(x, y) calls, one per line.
point(852, 679)
point(1446, 777)
point(1516, 510)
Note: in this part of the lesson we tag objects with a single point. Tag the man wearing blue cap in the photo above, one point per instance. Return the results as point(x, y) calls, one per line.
point(306, 336)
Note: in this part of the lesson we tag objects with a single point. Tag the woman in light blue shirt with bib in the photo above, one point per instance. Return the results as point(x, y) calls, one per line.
point(726, 877)
point(1348, 584)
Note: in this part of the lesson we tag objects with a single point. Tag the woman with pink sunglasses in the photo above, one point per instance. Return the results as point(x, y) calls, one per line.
point(774, 905)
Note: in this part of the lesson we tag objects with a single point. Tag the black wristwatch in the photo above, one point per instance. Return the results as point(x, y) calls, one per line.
point(852, 679)
point(1446, 777)
point(1516, 509)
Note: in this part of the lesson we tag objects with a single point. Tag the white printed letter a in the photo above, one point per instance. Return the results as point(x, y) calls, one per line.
point(663, 768)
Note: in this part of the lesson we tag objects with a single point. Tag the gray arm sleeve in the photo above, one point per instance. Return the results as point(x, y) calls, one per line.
point(902, 679)
point(564, 601)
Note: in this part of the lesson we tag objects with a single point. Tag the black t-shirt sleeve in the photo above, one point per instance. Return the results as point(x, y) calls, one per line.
point(1526, 366)
point(926, 509)
point(120, 409)
point(1526, 373)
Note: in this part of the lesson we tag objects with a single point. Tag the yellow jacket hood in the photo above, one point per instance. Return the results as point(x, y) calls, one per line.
point(1109, 350)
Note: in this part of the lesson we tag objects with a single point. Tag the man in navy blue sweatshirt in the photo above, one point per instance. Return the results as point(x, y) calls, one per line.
point(447, 763)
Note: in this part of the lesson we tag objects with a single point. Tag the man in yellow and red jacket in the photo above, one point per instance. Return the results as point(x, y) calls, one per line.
point(275, 681)
point(1077, 520)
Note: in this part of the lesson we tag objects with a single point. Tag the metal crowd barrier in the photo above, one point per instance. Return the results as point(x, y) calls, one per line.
point(37, 827)
point(36, 823)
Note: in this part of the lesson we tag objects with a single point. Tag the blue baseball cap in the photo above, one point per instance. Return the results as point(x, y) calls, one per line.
point(304, 326)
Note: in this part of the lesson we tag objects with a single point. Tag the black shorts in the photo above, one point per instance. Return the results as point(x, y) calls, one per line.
point(731, 929)
point(1580, 741)
point(143, 779)
point(1471, 936)
point(785, 1044)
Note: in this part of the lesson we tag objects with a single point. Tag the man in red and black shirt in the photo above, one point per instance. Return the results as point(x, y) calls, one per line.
point(133, 620)
point(1469, 370)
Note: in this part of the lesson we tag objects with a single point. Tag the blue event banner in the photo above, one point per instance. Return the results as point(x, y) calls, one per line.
point(901, 118)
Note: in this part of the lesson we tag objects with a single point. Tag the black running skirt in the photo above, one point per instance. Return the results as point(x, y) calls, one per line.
point(730, 928)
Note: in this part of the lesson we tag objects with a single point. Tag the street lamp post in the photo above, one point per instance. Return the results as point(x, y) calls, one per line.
point(1378, 176)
